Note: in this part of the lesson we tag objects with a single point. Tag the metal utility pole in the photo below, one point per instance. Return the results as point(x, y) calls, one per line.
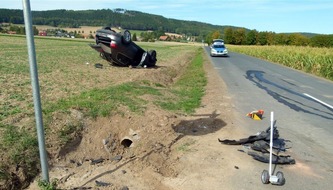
point(35, 88)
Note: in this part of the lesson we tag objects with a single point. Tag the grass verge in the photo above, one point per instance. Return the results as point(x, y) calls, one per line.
point(185, 97)
point(188, 90)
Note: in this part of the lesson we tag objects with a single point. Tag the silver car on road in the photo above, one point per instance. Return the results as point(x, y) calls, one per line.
point(218, 49)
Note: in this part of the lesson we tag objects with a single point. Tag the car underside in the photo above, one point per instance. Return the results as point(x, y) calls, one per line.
point(119, 50)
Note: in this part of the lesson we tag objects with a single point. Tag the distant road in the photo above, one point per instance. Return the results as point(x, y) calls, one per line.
point(302, 105)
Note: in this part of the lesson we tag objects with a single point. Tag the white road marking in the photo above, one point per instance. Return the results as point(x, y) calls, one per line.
point(326, 104)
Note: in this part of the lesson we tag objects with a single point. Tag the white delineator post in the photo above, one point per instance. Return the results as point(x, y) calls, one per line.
point(271, 145)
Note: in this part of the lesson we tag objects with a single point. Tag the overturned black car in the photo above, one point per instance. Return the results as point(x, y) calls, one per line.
point(119, 49)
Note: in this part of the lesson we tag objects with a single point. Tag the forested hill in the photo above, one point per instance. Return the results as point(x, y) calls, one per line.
point(134, 20)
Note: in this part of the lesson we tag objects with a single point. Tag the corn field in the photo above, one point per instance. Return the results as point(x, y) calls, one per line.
point(316, 61)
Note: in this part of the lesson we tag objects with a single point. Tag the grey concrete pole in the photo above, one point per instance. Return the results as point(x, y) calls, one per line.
point(35, 88)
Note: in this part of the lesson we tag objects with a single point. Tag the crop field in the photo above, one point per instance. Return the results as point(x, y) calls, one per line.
point(317, 61)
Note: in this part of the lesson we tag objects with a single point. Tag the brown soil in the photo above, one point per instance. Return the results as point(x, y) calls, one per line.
point(157, 150)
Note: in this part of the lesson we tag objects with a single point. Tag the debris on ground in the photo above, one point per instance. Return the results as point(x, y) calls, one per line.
point(258, 147)
point(256, 115)
point(97, 161)
point(99, 66)
point(101, 183)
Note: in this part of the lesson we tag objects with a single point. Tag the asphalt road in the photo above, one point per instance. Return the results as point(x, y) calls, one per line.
point(302, 106)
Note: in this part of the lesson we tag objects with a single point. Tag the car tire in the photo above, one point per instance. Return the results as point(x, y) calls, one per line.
point(152, 54)
point(126, 38)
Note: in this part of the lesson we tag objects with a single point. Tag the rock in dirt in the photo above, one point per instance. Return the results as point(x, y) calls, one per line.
point(101, 183)
point(117, 158)
point(97, 161)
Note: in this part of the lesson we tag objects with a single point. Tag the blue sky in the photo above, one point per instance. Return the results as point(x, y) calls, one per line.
point(315, 16)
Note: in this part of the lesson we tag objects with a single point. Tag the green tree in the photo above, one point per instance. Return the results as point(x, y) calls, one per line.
point(17, 29)
point(134, 38)
point(147, 36)
point(298, 40)
point(35, 30)
point(229, 36)
point(78, 35)
point(270, 38)
point(209, 39)
point(322, 41)
point(239, 36)
point(216, 35)
point(251, 37)
point(262, 38)
point(281, 39)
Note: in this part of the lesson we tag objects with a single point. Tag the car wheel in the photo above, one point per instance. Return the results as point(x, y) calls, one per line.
point(153, 59)
point(127, 37)
point(152, 53)
point(102, 56)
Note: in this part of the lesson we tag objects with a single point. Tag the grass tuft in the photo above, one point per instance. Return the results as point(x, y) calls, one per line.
point(21, 147)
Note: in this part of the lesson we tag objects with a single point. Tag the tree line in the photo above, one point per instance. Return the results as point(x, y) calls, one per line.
point(17, 29)
point(132, 20)
point(241, 36)
point(135, 20)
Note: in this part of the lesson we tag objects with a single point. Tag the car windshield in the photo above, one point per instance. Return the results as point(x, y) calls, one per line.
point(218, 46)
